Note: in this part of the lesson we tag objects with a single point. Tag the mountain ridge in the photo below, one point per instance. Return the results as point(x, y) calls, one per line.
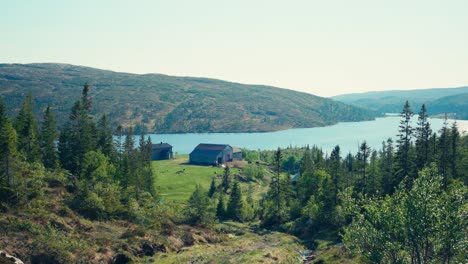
point(437, 100)
point(172, 104)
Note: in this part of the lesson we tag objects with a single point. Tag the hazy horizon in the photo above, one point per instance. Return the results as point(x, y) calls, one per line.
point(323, 48)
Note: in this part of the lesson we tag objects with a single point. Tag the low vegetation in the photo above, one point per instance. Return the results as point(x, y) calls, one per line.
point(93, 199)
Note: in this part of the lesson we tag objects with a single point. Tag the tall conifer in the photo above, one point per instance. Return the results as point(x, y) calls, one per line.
point(48, 136)
point(27, 130)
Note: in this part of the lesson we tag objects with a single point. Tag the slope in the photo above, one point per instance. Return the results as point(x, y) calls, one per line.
point(168, 104)
point(438, 100)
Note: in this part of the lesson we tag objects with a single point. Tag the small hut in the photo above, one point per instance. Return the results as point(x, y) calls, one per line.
point(161, 151)
point(236, 153)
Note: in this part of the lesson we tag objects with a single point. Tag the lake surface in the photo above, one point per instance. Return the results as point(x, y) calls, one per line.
point(349, 135)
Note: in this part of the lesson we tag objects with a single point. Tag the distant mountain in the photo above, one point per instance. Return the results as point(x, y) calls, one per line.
point(457, 104)
point(437, 100)
point(168, 104)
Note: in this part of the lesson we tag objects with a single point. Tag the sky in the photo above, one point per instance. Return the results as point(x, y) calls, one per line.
point(321, 47)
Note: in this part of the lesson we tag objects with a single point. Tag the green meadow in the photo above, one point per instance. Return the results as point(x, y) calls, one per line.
point(176, 179)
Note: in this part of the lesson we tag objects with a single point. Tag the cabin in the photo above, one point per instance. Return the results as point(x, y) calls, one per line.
point(211, 154)
point(236, 153)
point(295, 178)
point(161, 151)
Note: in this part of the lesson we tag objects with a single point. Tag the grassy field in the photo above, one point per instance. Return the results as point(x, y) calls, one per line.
point(176, 180)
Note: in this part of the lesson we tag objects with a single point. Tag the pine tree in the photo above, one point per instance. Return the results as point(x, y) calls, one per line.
point(48, 136)
point(27, 130)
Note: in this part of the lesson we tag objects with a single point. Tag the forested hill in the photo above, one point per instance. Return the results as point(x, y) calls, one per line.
point(168, 104)
point(437, 100)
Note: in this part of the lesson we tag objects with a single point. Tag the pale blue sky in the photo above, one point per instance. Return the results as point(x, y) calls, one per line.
point(322, 47)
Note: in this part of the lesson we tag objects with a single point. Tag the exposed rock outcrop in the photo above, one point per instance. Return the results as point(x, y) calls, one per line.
point(9, 259)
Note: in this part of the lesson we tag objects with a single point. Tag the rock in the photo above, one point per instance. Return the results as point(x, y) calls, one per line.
point(9, 259)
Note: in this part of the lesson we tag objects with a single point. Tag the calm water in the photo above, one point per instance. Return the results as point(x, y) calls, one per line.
point(348, 135)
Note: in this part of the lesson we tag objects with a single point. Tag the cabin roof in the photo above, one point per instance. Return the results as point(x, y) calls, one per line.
point(161, 146)
point(205, 146)
point(236, 150)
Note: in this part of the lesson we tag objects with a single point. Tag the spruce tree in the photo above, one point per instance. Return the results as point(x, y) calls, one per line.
point(423, 133)
point(146, 165)
point(65, 148)
point(198, 210)
point(129, 143)
point(443, 146)
point(8, 153)
point(129, 178)
point(275, 210)
point(48, 136)
point(374, 183)
point(349, 168)
point(226, 182)
point(27, 130)
point(119, 143)
point(275, 181)
point(235, 203)
point(79, 135)
point(220, 208)
point(362, 157)
point(335, 170)
point(105, 141)
point(212, 189)
point(404, 159)
point(454, 157)
point(307, 164)
point(386, 166)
